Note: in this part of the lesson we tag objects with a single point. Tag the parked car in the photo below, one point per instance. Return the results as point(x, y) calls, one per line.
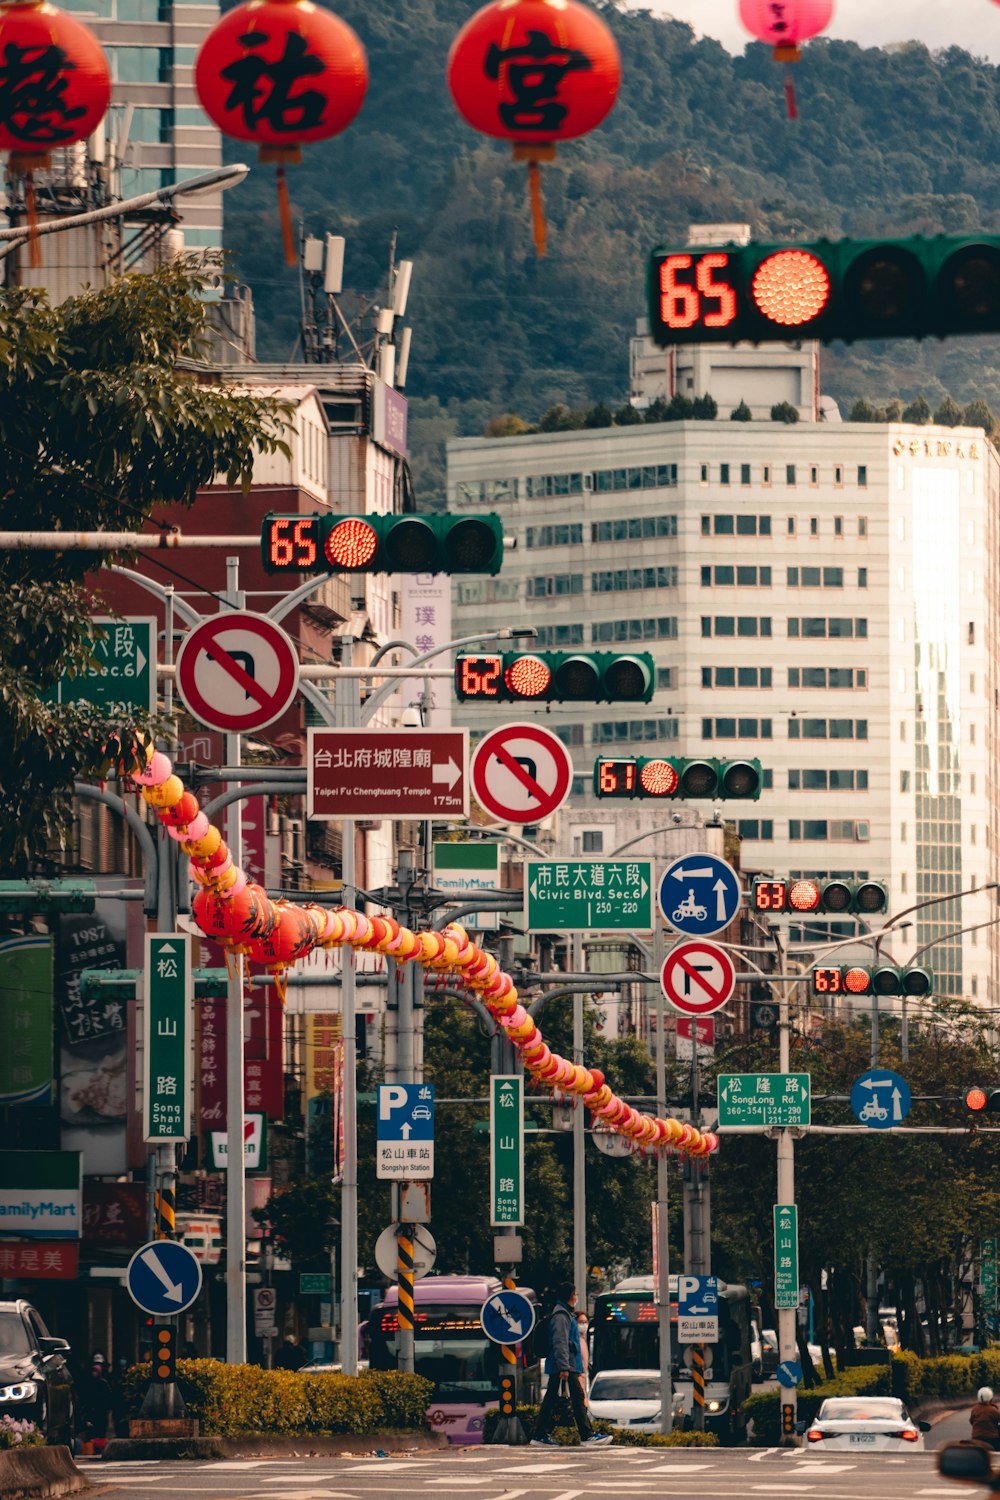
point(874, 1424)
point(35, 1380)
point(628, 1398)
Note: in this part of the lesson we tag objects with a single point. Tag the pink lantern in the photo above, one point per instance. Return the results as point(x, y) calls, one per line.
point(783, 24)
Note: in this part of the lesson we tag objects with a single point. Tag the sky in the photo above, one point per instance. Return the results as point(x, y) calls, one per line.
point(972, 24)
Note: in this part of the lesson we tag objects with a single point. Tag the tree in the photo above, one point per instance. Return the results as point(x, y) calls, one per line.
point(918, 412)
point(741, 413)
point(509, 425)
point(303, 1219)
point(705, 408)
point(96, 427)
point(559, 418)
point(948, 414)
point(784, 411)
point(600, 415)
point(978, 414)
point(863, 411)
point(628, 416)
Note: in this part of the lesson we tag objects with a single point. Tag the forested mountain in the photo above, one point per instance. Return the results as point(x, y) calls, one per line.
point(889, 140)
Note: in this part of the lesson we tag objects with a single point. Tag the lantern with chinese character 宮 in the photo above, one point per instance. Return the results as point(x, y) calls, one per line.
point(55, 87)
point(534, 72)
point(281, 73)
point(783, 24)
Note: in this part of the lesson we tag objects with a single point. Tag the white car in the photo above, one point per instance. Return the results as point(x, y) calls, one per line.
point(627, 1398)
point(873, 1424)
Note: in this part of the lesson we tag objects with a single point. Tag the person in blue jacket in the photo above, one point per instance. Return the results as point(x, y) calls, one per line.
point(564, 1366)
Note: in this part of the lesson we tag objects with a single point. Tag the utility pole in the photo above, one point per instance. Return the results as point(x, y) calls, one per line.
point(236, 1311)
point(787, 1316)
point(579, 1145)
point(662, 1220)
point(346, 716)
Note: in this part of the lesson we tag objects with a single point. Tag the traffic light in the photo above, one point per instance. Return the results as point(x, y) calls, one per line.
point(835, 898)
point(23, 898)
point(677, 777)
point(980, 1100)
point(381, 544)
point(125, 984)
point(831, 289)
point(164, 1352)
point(787, 1418)
point(886, 980)
point(507, 1396)
point(555, 677)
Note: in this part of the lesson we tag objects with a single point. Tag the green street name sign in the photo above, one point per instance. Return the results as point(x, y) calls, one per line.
point(167, 1037)
point(314, 1283)
point(764, 1099)
point(588, 895)
point(506, 1149)
point(786, 1255)
point(988, 1248)
point(124, 671)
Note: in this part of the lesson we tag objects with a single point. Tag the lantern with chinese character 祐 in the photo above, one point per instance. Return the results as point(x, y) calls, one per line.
point(534, 72)
point(783, 24)
point(55, 86)
point(280, 73)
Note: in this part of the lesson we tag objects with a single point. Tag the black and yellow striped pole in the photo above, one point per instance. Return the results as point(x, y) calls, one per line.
point(166, 1209)
point(404, 1286)
point(698, 1387)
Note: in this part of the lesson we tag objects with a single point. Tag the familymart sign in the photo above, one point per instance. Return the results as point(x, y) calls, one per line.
point(40, 1194)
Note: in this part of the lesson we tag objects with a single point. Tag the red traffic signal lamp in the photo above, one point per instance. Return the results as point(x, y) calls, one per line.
point(676, 777)
point(438, 543)
point(830, 897)
point(980, 1100)
point(830, 289)
point(555, 677)
point(858, 979)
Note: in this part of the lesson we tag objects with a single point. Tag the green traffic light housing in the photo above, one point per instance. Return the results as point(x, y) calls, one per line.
point(555, 677)
point(432, 543)
point(806, 897)
point(915, 287)
point(675, 778)
point(982, 1099)
point(885, 981)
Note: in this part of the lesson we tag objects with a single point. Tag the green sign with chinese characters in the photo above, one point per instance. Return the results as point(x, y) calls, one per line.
point(588, 895)
point(314, 1283)
point(764, 1099)
point(506, 1149)
point(123, 674)
point(167, 1037)
point(26, 1020)
point(786, 1255)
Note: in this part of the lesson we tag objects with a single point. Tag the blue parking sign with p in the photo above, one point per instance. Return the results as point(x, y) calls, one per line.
point(405, 1131)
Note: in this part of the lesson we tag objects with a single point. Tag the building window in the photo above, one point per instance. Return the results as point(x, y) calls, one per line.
point(790, 474)
point(704, 473)
point(755, 828)
point(736, 677)
point(553, 585)
point(726, 576)
point(838, 475)
point(546, 486)
point(622, 730)
point(723, 473)
point(570, 734)
point(648, 477)
point(554, 536)
point(821, 779)
point(744, 473)
point(592, 841)
point(790, 528)
point(813, 475)
point(814, 525)
point(635, 528)
point(828, 677)
point(862, 526)
point(612, 580)
point(838, 526)
point(765, 476)
point(558, 635)
point(814, 578)
point(823, 627)
point(736, 729)
point(827, 729)
point(862, 476)
point(821, 830)
point(658, 628)
point(904, 781)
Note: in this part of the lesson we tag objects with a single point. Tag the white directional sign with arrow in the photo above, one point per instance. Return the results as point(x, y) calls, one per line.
point(699, 894)
point(507, 1317)
point(163, 1277)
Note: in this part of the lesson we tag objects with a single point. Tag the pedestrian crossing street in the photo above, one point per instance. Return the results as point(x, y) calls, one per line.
point(489, 1473)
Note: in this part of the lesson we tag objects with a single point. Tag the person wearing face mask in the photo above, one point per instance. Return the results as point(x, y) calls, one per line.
point(564, 1367)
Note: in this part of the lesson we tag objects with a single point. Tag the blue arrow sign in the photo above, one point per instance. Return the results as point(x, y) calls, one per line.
point(507, 1317)
point(163, 1277)
point(789, 1372)
point(699, 894)
point(880, 1099)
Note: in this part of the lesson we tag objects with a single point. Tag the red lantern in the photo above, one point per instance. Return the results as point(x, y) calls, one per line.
point(783, 24)
point(280, 73)
point(534, 72)
point(55, 87)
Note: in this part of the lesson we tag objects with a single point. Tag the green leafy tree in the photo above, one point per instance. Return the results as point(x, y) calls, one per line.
point(705, 408)
point(863, 411)
point(918, 412)
point(628, 416)
point(894, 410)
point(978, 414)
point(97, 426)
point(949, 413)
point(600, 415)
point(560, 419)
point(784, 411)
point(509, 425)
point(303, 1218)
point(741, 413)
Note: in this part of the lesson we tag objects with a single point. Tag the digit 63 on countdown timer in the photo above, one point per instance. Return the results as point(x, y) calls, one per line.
point(844, 289)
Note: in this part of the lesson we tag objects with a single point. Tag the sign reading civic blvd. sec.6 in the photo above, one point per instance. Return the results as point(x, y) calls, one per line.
point(388, 773)
point(588, 895)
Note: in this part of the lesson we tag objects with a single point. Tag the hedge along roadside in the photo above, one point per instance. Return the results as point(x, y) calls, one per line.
point(908, 1377)
point(624, 1437)
point(235, 1400)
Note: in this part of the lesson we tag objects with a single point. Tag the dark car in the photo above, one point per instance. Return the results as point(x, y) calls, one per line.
point(35, 1381)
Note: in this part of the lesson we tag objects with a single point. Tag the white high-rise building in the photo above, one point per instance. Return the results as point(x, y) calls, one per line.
point(823, 596)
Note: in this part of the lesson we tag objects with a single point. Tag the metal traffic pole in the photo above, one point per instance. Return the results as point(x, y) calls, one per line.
point(346, 707)
point(662, 1222)
point(579, 1147)
point(787, 1316)
point(236, 1311)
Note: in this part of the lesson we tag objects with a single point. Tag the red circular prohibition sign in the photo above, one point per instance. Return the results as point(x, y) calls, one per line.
point(494, 760)
point(261, 671)
point(698, 977)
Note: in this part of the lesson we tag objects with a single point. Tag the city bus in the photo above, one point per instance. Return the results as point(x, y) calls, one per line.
point(626, 1336)
point(451, 1349)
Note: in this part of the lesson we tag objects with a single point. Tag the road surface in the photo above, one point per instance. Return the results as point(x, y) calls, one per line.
point(533, 1474)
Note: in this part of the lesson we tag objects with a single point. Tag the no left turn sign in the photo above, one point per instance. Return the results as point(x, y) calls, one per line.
point(521, 773)
point(698, 977)
point(237, 672)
